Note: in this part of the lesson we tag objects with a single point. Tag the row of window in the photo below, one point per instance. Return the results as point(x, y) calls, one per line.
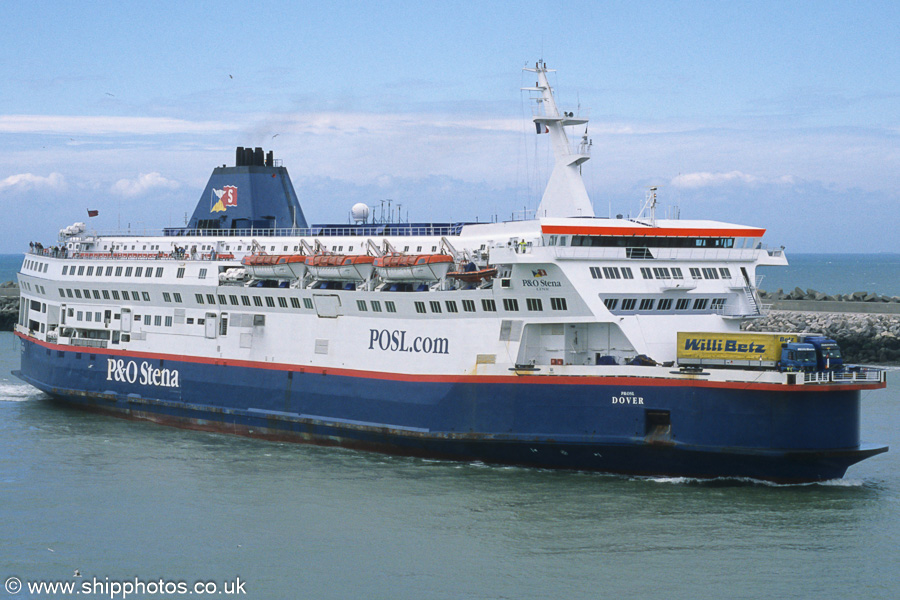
point(612, 273)
point(40, 267)
point(104, 294)
point(612, 241)
point(489, 305)
point(664, 304)
point(660, 273)
point(180, 273)
point(38, 288)
point(91, 271)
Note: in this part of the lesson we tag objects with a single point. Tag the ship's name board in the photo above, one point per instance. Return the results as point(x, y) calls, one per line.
point(540, 283)
point(397, 341)
point(128, 371)
point(627, 398)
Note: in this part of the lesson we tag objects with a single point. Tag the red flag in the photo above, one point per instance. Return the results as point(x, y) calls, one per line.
point(93, 213)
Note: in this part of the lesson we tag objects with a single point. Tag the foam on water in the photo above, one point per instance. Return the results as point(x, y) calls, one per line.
point(11, 391)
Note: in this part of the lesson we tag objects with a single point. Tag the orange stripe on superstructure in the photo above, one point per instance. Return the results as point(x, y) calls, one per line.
point(651, 231)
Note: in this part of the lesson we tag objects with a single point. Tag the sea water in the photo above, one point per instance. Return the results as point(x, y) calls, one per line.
point(122, 502)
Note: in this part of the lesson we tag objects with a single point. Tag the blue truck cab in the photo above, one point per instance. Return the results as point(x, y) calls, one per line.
point(797, 356)
point(828, 354)
point(811, 353)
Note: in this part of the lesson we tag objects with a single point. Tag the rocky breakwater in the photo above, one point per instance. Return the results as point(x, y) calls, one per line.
point(810, 295)
point(9, 305)
point(863, 337)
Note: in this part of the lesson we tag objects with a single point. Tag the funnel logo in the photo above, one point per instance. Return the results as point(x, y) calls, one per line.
point(222, 199)
point(538, 273)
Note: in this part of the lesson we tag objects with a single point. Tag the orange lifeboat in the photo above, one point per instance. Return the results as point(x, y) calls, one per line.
point(475, 276)
point(414, 267)
point(340, 267)
point(275, 266)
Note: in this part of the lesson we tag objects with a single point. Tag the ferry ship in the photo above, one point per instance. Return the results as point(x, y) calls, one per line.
point(549, 342)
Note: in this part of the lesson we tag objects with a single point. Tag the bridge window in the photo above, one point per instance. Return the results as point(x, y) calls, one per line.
point(534, 304)
point(390, 306)
point(664, 304)
point(488, 305)
point(611, 303)
point(682, 304)
point(468, 305)
point(628, 303)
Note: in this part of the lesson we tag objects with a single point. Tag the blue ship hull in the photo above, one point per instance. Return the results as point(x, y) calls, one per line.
point(709, 430)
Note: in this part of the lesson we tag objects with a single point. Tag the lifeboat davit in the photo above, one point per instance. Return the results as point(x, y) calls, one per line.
point(340, 267)
point(415, 267)
point(275, 266)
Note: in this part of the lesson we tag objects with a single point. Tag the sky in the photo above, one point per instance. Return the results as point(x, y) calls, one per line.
point(783, 115)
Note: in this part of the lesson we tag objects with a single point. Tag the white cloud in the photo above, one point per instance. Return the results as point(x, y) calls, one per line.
point(704, 179)
point(143, 184)
point(104, 125)
point(29, 181)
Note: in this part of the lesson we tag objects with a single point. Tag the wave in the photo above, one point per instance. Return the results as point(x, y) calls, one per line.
point(736, 481)
point(17, 392)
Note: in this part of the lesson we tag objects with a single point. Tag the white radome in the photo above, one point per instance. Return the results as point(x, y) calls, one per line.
point(359, 213)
